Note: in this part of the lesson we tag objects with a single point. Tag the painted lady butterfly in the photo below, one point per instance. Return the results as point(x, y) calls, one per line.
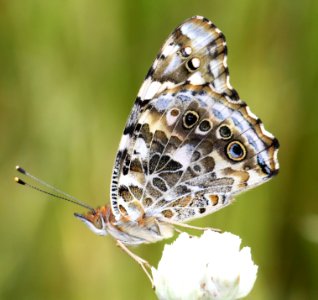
point(190, 143)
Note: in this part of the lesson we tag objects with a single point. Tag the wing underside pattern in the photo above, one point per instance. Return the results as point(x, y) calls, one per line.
point(190, 143)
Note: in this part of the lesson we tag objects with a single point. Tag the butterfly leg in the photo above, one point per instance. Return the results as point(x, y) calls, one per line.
point(184, 225)
point(143, 263)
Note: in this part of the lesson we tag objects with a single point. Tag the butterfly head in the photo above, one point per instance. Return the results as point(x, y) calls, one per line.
point(96, 220)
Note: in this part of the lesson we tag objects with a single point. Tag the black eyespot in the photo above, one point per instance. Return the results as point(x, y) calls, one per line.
point(236, 151)
point(225, 132)
point(193, 64)
point(190, 118)
point(197, 168)
point(205, 125)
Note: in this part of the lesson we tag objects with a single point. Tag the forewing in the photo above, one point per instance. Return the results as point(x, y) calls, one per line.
point(195, 53)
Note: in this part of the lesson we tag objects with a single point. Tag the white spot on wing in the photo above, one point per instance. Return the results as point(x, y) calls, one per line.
point(228, 82)
point(144, 88)
point(167, 50)
point(249, 112)
point(141, 147)
point(196, 79)
point(276, 159)
point(129, 180)
point(166, 85)
point(152, 89)
point(183, 155)
point(265, 132)
point(124, 142)
point(195, 62)
point(188, 51)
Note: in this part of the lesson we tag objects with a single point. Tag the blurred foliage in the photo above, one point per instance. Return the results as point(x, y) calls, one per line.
point(69, 72)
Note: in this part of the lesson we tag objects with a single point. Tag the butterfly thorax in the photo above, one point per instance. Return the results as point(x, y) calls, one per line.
point(131, 230)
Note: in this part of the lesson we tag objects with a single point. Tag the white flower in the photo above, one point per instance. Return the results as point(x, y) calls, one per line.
point(208, 267)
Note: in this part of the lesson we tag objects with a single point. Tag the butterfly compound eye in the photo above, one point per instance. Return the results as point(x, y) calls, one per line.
point(98, 222)
point(190, 118)
point(236, 151)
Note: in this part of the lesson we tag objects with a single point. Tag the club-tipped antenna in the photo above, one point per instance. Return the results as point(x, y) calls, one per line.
point(63, 195)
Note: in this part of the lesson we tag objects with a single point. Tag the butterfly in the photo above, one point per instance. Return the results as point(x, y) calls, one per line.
point(189, 146)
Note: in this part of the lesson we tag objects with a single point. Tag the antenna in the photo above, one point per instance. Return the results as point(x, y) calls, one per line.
point(54, 193)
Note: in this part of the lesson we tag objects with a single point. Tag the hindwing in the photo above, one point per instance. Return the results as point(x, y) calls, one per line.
point(190, 143)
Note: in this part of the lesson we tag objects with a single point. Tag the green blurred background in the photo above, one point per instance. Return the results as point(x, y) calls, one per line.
point(69, 73)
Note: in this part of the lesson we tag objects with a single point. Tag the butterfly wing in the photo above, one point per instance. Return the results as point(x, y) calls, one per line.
point(196, 53)
point(209, 150)
point(190, 142)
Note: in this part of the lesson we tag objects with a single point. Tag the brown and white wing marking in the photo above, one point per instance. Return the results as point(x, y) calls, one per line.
point(194, 150)
point(195, 52)
point(190, 143)
point(224, 151)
